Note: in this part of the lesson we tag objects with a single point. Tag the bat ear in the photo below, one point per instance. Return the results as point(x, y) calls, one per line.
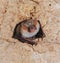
point(14, 34)
point(41, 33)
point(15, 31)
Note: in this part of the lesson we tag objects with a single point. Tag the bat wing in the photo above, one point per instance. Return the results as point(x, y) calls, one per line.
point(17, 35)
point(40, 34)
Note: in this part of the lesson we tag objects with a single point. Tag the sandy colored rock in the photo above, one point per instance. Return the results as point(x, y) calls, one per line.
point(13, 12)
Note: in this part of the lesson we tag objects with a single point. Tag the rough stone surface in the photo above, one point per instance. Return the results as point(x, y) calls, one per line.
point(14, 11)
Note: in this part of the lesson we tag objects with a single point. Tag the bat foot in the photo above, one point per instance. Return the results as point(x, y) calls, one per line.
point(33, 43)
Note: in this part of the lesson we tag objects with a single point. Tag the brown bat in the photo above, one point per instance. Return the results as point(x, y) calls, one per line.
point(28, 30)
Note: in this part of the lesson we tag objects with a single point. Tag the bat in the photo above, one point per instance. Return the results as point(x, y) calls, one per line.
point(28, 30)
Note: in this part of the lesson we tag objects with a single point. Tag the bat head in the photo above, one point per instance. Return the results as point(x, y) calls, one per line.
point(30, 28)
point(30, 25)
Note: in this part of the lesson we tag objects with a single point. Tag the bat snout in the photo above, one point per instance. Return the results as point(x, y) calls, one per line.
point(31, 28)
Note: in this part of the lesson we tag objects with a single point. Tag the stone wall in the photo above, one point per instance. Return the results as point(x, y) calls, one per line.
point(13, 12)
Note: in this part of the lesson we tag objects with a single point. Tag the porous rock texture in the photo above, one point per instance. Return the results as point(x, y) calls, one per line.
point(13, 12)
